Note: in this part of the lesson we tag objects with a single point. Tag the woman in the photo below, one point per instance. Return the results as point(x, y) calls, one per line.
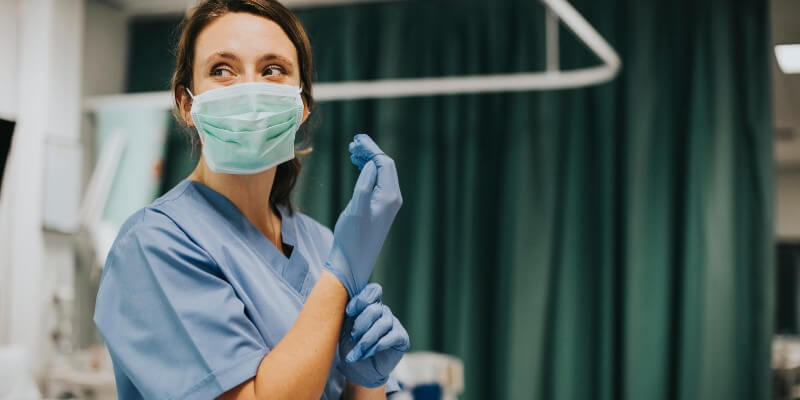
point(219, 289)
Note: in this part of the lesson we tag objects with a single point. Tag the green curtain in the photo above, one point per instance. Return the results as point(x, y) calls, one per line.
point(613, 242)
point(606, 243)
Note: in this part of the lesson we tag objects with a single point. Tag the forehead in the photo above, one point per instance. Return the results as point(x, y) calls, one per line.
point(246, 36)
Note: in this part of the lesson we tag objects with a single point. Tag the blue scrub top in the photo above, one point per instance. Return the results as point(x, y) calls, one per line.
point(193, 295)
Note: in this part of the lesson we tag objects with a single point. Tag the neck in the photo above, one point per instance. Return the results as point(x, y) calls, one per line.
point(249, 193)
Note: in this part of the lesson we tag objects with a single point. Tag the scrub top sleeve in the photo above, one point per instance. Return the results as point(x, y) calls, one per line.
point(172, 323)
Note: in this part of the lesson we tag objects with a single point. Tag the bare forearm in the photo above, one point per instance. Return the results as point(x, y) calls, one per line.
point(356, 392)
point(298, 367)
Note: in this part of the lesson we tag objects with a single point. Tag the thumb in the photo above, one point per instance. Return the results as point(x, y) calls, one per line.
point(369, 295)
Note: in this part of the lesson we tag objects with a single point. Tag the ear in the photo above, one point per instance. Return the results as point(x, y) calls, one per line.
point(184, 105)
point(306, 110)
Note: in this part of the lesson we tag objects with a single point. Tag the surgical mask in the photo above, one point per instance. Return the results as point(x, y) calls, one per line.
point(248, 127)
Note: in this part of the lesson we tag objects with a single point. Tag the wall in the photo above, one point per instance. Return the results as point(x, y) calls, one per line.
point(105, 50)
point(8, 70)
point(787, 213)
point(8, 110)
point(45, 62)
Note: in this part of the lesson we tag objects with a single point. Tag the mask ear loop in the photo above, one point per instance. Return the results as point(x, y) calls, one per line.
point(202, 142)
point(303, 103)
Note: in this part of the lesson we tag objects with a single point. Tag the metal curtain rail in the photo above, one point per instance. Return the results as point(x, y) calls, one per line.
point(550, 79)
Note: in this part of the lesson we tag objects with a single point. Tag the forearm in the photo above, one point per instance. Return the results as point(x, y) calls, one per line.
point(298, 367)
point(356, 392)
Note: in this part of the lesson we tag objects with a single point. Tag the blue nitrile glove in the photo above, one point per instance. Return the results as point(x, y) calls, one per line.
point(363, 225)
point(372, 341)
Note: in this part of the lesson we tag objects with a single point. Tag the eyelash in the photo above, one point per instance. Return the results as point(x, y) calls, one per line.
point(221, 67)
point(274, 66)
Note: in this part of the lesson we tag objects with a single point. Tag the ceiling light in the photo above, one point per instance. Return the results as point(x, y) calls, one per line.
point(788, 56)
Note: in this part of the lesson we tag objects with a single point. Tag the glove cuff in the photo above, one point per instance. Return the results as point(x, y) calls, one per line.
point(343, 275)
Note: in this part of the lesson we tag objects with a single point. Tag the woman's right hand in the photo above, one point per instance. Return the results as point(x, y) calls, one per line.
point(364, 224)
point(372, 340)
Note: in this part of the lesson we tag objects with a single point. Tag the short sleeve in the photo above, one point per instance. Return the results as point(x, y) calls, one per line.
point(172, 323)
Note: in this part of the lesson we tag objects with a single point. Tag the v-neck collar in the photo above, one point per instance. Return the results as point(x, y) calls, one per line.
point(292, 269)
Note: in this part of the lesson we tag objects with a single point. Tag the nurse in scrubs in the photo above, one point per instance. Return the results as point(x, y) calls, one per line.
point(220, 289)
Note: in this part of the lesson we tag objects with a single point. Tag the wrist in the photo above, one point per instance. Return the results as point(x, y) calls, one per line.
point(338, 267)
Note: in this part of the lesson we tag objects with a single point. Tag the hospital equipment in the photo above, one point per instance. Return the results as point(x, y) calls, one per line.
point(426, 368)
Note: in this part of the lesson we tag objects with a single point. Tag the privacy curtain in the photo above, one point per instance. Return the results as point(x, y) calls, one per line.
point(613, 242)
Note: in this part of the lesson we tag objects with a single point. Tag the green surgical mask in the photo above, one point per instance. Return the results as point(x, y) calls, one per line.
point(248, 127)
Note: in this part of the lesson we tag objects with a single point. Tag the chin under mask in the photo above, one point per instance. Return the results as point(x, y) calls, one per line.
point(248, 127)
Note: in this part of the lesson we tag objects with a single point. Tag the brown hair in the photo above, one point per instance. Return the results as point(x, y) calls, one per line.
point(208, 11)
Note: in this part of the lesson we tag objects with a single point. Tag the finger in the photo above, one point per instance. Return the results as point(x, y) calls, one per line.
point(366, 179)
point(365, 184)
point(387, 183)
point(370, 338)
point(365, 147)
point(358, 161)
point(370, 294)
point(393, 340)
point(366, 319)
point(362, 149)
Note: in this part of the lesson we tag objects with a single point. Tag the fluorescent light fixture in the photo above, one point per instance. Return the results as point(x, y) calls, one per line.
point(788, 56)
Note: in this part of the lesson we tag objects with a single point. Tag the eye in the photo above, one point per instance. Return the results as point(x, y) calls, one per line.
point(221, 71)
point(273, 70)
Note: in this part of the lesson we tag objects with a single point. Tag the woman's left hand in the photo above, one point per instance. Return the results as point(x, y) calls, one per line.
point(372, 341)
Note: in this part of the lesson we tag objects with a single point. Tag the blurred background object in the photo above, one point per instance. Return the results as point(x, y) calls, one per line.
point(615, 241)
point(786, 365)
point(785, 36)
point(6, 130)
point(16, 380)
point(420, 370)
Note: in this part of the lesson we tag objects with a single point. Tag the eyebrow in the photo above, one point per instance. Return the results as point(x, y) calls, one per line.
point(272, 56)
point(264, 58)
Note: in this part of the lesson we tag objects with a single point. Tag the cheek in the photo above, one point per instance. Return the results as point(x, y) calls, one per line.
point(202, 81)
point(201, 85)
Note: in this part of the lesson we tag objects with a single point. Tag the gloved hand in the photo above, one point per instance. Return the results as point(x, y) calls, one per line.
point(372, 341)
point(363, 225)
